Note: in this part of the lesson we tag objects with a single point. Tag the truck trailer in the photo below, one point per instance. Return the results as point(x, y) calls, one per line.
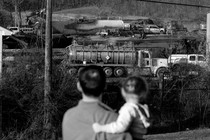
point(116, 61)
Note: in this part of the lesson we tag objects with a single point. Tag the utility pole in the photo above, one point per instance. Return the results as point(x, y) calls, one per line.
point(1, 4)
point(16, 13)
point(208, 40)
point(48, 71)
point(1, 61)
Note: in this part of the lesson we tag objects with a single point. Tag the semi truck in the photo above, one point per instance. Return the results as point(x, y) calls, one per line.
point(116, 61)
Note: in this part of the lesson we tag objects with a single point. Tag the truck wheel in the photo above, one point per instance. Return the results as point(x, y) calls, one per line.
point(72, 71)
point(161, 32)
point(118, 72)
point(108, 71)
point(160, 72)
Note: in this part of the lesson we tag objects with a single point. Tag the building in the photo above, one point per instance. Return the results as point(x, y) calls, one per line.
point(5, 31)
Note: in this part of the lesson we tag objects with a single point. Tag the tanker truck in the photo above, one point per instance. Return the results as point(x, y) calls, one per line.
point(116, 61)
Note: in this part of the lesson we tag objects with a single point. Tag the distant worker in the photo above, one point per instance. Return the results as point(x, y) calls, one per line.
point(133, 115)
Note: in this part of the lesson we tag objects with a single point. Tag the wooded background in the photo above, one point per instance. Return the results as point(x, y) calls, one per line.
point(119, 7)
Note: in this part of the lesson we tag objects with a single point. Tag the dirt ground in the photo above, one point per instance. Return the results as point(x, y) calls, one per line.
point(200, 134)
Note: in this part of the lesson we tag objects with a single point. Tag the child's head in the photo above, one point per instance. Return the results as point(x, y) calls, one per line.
point(91, 81)
point(136, 85)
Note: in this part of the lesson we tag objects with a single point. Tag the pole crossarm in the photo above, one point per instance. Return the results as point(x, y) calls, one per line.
point(173, 3)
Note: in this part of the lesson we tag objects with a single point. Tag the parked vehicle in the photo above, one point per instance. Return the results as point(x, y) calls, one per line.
point(15, 30)
point(140, 23)
point(102, 32)
point(117, 61)
point(203, 27)
point(196, 59)
point(173, 27)
point(26, 30)
point(187, 64)
point(154, 29)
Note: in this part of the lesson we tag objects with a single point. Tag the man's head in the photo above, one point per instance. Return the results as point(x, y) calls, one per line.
point(92, 80)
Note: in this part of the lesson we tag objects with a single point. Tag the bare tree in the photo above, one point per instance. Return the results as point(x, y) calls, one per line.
point(16, 4)
point(1, 4)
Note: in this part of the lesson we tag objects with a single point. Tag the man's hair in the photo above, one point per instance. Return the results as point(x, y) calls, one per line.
point(136, 85)
point(92, 80)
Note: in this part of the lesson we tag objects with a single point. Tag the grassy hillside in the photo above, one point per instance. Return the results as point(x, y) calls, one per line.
point(89, 12)
point(93, 11)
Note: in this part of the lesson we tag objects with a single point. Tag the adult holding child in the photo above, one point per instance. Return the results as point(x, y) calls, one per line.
point(77, 121)
point(134, 114)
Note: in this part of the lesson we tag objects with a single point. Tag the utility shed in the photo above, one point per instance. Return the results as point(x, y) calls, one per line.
point(5, 31)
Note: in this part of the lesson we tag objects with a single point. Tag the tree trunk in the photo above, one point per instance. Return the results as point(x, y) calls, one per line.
point(19, 18)
point(16, 13)
point(1, 4)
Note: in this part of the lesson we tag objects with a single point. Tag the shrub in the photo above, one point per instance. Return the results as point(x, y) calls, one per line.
point(22, 92)
point(184, 100)
point(23, 96)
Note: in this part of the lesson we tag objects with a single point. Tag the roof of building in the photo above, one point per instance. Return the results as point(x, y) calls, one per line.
point(5, 31)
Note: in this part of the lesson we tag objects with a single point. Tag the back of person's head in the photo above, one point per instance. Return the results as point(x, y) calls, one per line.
point(136, 85)
point(92, 80)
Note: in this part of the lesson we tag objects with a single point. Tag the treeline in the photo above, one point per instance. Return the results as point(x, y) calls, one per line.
point(140, 8)
point(120, 7)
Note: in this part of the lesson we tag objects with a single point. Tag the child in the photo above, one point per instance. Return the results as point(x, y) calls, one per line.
point(133, 116)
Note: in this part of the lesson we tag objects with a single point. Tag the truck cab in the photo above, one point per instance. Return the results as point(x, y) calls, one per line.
point(197, 59)
point(157, 65)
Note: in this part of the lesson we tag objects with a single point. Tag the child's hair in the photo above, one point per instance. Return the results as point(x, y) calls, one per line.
point(136, 85)
point(92, 80)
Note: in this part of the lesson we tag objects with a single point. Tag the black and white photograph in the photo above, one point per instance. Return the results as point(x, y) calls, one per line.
point(105, 69)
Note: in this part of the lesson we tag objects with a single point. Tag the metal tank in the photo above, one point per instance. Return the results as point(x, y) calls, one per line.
point(106, 54)
point(115, 60)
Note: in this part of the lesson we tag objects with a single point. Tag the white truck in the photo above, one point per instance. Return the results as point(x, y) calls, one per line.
point(178, 62)
point(157, 65)
point(196, 59)
point(153, 29)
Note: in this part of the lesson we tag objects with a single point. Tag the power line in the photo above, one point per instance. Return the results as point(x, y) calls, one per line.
point(172, 3)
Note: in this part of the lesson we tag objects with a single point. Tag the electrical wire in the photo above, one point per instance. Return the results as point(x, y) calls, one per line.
point(172, 3)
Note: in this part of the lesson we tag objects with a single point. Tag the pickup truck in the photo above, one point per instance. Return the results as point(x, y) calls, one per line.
point(197, 59)
point(153, 29)
point(178, 62)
